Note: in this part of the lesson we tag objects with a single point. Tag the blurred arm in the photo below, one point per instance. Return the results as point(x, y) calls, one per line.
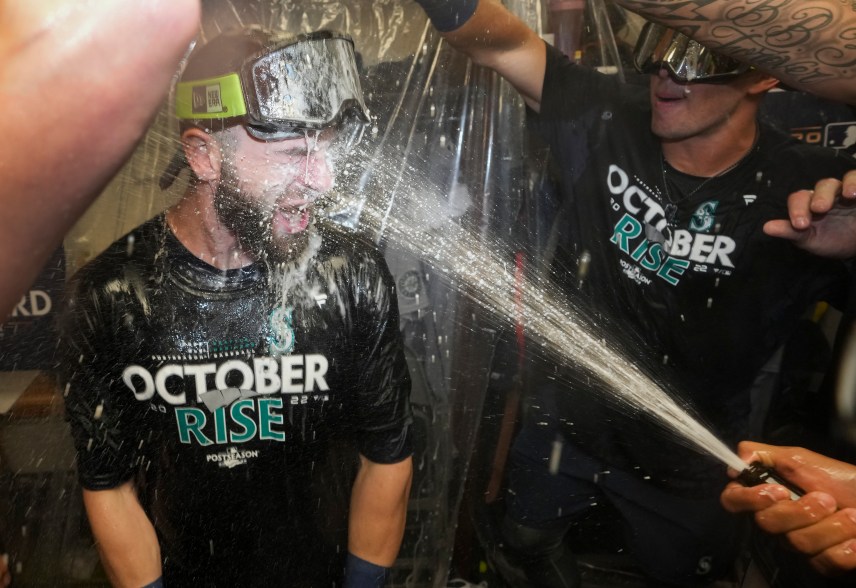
point(126, 539)
point(79, 84)
point(808, 44)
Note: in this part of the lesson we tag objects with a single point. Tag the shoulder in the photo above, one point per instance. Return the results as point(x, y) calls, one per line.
point(582, 98)
point(787, 165)
point(132, 253)
point(356, 264)
point(794, 159)
point(588, 83)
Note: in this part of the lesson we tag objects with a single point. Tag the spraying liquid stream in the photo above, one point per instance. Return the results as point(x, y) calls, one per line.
point(562, 331)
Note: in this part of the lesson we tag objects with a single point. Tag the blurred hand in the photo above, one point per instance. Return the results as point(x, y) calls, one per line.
point(821, 221)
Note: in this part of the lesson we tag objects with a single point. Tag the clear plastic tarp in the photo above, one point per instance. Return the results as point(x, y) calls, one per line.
point(445, 181)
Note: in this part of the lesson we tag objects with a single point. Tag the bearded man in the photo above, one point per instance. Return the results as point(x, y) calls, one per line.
point(228, 361)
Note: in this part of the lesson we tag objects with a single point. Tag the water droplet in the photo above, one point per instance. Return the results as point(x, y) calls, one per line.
point(556, 456)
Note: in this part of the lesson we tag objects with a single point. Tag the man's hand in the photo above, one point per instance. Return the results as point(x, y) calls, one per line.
point(822, 524)
point(821, 221)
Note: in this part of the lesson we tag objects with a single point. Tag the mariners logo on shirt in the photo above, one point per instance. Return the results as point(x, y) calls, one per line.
point(704, 217)
point(281, 337)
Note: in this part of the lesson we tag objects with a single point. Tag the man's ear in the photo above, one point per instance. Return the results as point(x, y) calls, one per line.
point(202, 153)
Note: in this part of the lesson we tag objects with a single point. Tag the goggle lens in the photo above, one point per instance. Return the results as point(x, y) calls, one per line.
point(311, 84)
point(308, 82)
point(686, 60)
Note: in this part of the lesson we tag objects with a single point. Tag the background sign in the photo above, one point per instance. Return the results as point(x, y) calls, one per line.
point(28, 337)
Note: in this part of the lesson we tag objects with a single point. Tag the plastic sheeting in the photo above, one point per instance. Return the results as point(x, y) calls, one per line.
point(444, 160)
point(444, 170)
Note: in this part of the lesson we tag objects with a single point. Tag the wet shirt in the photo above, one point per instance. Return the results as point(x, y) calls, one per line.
point(680, 267)
point(236, 400)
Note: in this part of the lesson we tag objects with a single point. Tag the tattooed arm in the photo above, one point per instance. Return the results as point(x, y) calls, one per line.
point(808, 44)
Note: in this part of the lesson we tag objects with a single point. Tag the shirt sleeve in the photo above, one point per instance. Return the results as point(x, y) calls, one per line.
point(383, 405)
point(574, 97)
point(100, 418)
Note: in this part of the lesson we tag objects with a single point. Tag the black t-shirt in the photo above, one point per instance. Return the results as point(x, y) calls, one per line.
point(237, 405)
point(700, 295)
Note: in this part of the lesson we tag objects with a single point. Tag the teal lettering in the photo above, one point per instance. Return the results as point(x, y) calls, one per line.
point(267, 418)
point(242, 420)
point(655, 258)
point(626, 229)
point(678, 266)
point(190, 422)
point(220, 425)
point(640, 250)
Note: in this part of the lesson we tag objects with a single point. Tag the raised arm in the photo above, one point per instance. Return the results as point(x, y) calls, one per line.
point(81, 82)
point(126, 539)
point(495, 38)
point(808, 44)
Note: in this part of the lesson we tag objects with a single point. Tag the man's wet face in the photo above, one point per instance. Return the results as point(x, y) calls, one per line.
point(267, 191)
point(681, 110)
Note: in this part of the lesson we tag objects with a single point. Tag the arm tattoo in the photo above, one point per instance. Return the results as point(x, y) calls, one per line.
point(801, 41)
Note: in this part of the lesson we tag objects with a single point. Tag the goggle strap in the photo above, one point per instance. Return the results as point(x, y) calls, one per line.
point(211, 98)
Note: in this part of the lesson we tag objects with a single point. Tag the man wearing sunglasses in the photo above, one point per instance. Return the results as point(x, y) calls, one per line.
point(805, 43)
point(665, 193)
point(234, 375)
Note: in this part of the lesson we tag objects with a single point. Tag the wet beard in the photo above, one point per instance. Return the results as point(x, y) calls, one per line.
point(252, 225)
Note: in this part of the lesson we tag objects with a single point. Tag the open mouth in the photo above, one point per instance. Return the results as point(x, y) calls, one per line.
point(293, 218)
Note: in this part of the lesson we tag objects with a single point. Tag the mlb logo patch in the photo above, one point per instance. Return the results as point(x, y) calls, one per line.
point(206, 99)
point(841, 136)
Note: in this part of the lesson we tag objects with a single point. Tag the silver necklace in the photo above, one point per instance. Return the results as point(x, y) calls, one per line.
point(671, 207)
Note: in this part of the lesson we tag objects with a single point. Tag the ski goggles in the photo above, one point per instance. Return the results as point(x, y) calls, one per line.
point(306, 82)
point(686, 60)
